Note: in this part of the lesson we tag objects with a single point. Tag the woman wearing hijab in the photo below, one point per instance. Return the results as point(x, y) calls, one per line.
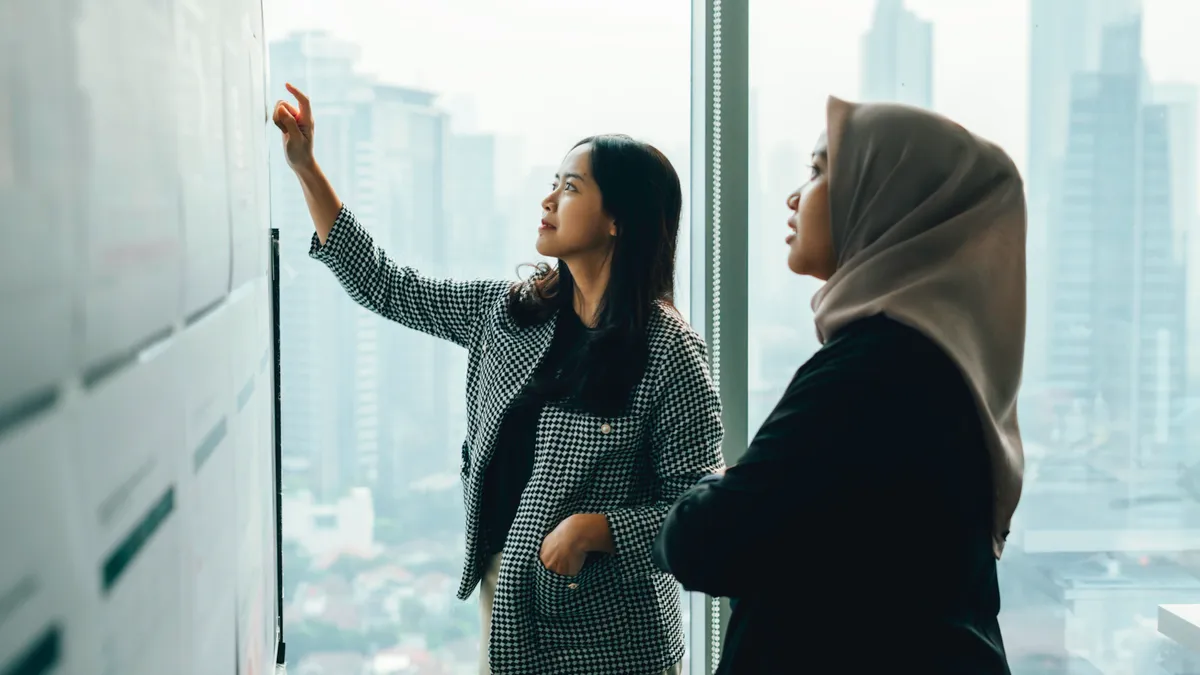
point(860, 531)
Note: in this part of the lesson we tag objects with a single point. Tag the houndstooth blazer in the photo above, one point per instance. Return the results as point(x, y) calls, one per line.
point(620, 615)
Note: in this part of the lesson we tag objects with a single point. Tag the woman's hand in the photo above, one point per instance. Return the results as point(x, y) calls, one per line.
point(566, 548)
point(297, 128)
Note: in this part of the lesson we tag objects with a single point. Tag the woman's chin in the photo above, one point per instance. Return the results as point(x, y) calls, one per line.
point(545, 248)
point(795, 261)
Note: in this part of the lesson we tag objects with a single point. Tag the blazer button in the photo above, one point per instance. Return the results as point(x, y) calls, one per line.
point(572, 585)
point(606, 428)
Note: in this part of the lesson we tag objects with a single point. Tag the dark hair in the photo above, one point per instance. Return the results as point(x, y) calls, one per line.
point(641, 193)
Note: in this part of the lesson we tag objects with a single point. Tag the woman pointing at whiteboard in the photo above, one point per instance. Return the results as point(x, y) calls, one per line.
point(589, 406)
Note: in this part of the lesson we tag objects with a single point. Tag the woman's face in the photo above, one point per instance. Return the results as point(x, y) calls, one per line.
point(811, 240)
point(574, 224)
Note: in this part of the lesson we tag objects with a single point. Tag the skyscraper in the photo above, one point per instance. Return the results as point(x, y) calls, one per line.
point(897, 57)
point(1064, 39)
point(402, 165)
point(1117, 340)
point(360, 392)
point(316, 338)
point(1106, 339)
point(476, 230)
point(1181, 105)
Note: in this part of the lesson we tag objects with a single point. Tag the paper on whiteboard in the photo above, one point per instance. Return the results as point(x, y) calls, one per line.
point(207, 497)
point(47, 624)
point(242, 159)
point(202, 141)
point(125, 471)
point(131, 201)
point(40, 172)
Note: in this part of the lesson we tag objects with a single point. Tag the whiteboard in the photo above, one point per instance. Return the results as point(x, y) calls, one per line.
point(132, 282)
point(136, 380)
point(38, 141)
point(201, 94)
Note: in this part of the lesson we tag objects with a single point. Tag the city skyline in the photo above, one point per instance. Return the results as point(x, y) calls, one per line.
point(1091, 483)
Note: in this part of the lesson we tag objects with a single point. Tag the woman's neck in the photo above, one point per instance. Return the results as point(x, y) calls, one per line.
point(591, 280)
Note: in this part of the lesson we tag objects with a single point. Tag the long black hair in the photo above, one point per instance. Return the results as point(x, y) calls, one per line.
point(641, 193)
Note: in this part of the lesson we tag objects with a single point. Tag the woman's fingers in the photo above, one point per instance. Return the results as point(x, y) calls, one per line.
point(305, 106)
point(303, 122)
point(277, 115)
point(284, 119)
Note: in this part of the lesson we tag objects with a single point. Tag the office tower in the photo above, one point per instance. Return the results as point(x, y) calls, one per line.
point(419, 377)
point(1161, 281)
point(1064, 39)
point(359, 392)
point(897, 57)
point(476, 231)
point(1116, 284)
point(1100, 181)
point(317, 341)
point(1181, 104)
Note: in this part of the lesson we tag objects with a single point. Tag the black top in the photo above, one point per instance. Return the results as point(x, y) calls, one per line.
point(512, 462)
point(855, 533)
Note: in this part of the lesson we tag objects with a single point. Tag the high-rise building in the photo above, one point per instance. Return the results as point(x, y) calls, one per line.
point(1161, 357)
point(401, 170)
point(1181, 105)
point(1111, 347)
point(361, 393)
point(897, 57)
point(316, 340)
point(1117, 340)
point(476, 229)
point(1064, 39)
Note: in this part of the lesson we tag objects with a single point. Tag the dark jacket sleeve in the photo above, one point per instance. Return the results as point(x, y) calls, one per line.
point(730, 535)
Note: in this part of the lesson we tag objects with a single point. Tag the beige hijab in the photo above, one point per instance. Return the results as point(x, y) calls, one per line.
point(929, 228)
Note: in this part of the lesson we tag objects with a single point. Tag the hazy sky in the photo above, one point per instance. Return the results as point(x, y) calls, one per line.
point(552, 71)
point(549, 71)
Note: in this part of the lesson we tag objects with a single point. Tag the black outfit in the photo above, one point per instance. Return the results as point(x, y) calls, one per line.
point(512, 464)
point(854, 534)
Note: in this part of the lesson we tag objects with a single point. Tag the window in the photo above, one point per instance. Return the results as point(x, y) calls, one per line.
point(441, 125)
point(1107, 525)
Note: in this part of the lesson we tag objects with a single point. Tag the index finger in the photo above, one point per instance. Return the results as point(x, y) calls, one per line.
point(305, 107)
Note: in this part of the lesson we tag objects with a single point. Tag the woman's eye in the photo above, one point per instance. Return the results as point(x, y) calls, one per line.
point(571, 188)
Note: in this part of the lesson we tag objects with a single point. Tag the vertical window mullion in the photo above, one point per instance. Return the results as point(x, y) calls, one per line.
point(720, 139)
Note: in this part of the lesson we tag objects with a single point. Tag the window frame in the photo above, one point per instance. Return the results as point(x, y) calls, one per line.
point(719, 191)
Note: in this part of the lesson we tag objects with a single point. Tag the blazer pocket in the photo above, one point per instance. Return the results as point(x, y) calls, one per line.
point(576, 431)
point(620, 434)
point(585, 608)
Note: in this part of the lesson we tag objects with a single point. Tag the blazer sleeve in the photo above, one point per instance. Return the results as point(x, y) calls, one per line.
point(685, 445)
point(787, 497)
point(443, 308)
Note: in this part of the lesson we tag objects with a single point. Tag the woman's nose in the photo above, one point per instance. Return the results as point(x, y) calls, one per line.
point(793, 201)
